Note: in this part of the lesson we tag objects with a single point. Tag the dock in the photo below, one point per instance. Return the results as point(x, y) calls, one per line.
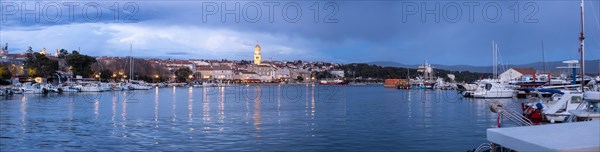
point(577, 136)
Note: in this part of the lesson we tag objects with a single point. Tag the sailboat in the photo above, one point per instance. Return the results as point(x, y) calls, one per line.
point(426, 81)
point(493, 88)
point(135, 84)
point(593, 94)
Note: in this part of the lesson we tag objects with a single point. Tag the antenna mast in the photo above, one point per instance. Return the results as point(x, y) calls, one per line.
point(130, 61)
point(581, 49)
point(543, 57)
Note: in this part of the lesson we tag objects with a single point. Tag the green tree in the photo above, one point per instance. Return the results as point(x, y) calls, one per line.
point(182, 74)
point(322, 75)
point(299, 79)
point(63, 53)
point(80, 64)
point(4, 72)
point(377, 72)
point(105, 74)
point(244, 62)
point(38, 65)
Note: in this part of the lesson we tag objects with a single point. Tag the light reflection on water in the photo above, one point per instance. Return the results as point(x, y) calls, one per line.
point(275, 117)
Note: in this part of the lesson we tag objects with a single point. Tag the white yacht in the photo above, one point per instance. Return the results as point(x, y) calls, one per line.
point(492, 89)
point(118, 86)
point(558, 109)
point(592, 96)
point(89, 87)
point(138, 85)
point(70, 87)
point(105, 86)
point(34, 88)
point(593, 93)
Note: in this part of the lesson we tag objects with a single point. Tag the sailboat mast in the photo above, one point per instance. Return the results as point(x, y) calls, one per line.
point(544, 57)
point(497, 54)
point(407, 73)
point(130, 61)
point(494, 60)
point(581, 49)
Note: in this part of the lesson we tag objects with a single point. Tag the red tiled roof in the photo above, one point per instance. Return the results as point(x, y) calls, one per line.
point(525, 70)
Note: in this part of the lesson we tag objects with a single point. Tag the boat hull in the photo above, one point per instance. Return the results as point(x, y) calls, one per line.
point(493, 94)
point(333, 82)
point(592, 96)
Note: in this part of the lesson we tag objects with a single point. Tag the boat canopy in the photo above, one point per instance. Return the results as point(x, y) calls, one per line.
point(544, 90)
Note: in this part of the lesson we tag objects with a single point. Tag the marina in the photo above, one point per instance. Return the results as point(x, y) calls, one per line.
point(324, 76)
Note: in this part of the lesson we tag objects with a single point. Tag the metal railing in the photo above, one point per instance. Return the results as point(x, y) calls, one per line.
point(510, 114)
point(483, 147)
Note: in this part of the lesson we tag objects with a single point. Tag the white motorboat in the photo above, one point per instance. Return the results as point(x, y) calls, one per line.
point(210, 84)
point(558, 109)
point(118, 86)
point(16, 90)
point(35, 88)
point(592, 96)
point(89, 87)
point(593, 93)
point(493, 90)
point(105, 86)
point(69, 87)
point(138, 85)
point(5, 92)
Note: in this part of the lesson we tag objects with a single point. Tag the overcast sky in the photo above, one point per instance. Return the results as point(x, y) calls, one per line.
point(442, 32)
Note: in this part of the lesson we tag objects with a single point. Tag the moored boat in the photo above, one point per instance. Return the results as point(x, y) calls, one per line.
point(89, 87)
point(35, 88)
point(69, 87)
point(493, 90)
point(333, 82)
point(138, 85)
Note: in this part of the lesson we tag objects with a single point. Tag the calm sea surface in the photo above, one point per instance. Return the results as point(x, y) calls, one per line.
point(249, 118)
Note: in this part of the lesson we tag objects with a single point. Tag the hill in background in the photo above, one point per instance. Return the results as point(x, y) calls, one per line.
point(591, 66)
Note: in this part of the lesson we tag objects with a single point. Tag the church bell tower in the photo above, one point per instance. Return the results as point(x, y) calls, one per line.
point(257, 57)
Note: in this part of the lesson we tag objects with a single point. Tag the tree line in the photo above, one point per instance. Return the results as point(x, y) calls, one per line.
point(360, 70)
point(40, 65)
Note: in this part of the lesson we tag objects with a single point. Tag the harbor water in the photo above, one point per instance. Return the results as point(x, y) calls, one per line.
point(247, 118)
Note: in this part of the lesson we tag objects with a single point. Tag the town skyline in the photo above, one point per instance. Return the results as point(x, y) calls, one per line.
point(270, 59)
